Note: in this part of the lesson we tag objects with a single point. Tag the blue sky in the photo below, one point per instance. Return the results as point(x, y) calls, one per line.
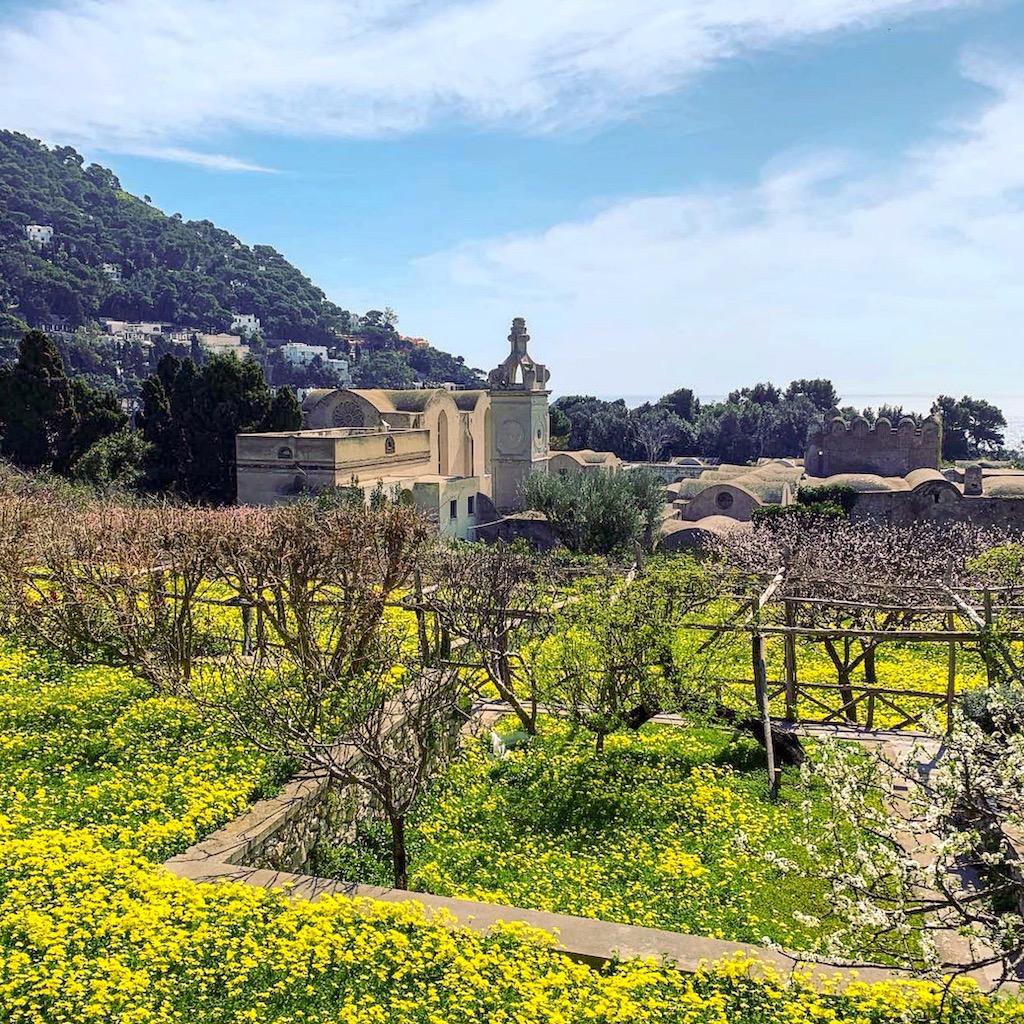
point(672, 192)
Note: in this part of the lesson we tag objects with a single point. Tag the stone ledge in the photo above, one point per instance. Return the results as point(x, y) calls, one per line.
point(235, 841)
point(221, 857)
point(587, 940)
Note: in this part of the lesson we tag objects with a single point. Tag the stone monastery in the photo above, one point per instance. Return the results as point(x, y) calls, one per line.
point(458, 456)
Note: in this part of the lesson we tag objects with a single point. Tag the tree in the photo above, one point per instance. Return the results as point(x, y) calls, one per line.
point(609, 663)
point(403, 724)
point(559, 427)
point(929, 851)
point(322, 675)
point(49, 420)
point(285, 412)
point(383, 369)
point(683, 403)
point(759, 394)
point(971, 427)
point(191, 416)
point(114, 462)
point(602, 426)
point(598, 512)
point(819, 391)
point(654, 429)
point(98, 415)
point(495, 599)
point(36, 403)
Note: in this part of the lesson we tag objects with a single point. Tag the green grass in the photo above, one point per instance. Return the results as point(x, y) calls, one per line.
point(668, 828)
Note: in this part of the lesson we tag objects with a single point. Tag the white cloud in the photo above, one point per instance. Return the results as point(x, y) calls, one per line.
point(211, 161)
point(140, 76)
point(901, 279)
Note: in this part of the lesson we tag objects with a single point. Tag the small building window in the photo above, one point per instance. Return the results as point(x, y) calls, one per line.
point(470, 504)
point(724, 500)
point(284, 453)
point(389, 446)
point(453, 509)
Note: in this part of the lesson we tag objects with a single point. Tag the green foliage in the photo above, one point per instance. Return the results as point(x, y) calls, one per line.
point(970, 427)
point(779, 515)
point(383, 369)
point(190, 416)
point(655, 429)
point(12, 326)
point(114, 462)
point(598, 513)
point(1002, 565)
point(433, 366)
point(47, 420)
point(646, 833)
point(188, 272)
point(559, 427)
point(683, 403)
point(753, 422)
point(821, 393)
point(842, 495)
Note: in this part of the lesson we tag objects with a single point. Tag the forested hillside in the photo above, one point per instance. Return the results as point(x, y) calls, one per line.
point(188, 272)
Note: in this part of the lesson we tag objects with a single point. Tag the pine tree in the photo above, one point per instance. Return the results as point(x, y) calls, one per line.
point(36, 404)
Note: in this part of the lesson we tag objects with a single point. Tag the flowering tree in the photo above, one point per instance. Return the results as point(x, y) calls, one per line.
point(928, 869)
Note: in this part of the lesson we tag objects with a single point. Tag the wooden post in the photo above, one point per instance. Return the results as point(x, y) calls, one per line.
point(761, 692)
point(246, 610)
point(871, 679)
point(790, 649)
point(421, 618)
point(986, 649)
point(261, 630)
point(951, 674)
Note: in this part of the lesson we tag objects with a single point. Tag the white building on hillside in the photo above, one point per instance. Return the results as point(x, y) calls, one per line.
point(247, 323)
point(224, 344)
point(298, 353)
point(39, 234)
point(113, 271)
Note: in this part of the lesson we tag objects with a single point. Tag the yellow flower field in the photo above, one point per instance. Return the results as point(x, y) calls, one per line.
point(100, 781)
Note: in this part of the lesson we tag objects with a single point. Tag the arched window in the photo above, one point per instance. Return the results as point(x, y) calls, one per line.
point(284, 452)
point(389, 446)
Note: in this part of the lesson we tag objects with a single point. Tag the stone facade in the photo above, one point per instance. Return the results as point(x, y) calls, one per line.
point(584, 461)
point(726, 499)
point(836, 447)
point(450, 450)
point(518, 440)
point(329, 815)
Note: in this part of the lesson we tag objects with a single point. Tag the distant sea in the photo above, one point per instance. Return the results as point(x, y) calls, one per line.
point(1012, 407)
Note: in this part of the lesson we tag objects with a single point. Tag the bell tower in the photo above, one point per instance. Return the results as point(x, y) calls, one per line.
point(518, 440)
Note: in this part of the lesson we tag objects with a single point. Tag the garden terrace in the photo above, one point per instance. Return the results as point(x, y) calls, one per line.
point(285, 634)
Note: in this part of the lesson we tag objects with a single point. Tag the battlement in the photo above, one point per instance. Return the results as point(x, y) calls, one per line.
point(836, 446)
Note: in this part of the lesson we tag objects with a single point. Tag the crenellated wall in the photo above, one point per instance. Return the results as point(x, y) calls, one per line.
point(839, 447)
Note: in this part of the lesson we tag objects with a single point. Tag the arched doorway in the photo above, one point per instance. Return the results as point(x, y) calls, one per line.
point(442, 444)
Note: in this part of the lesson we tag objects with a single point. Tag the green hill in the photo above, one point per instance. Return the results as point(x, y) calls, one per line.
point(188, 272)
point(113, 254)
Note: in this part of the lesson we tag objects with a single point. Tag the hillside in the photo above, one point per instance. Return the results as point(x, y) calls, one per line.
point(173, 270)
point(116, 255)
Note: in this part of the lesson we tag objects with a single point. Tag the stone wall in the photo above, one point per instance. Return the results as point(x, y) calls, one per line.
point(837, 447)
point(939, 505)
point(330, 814)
